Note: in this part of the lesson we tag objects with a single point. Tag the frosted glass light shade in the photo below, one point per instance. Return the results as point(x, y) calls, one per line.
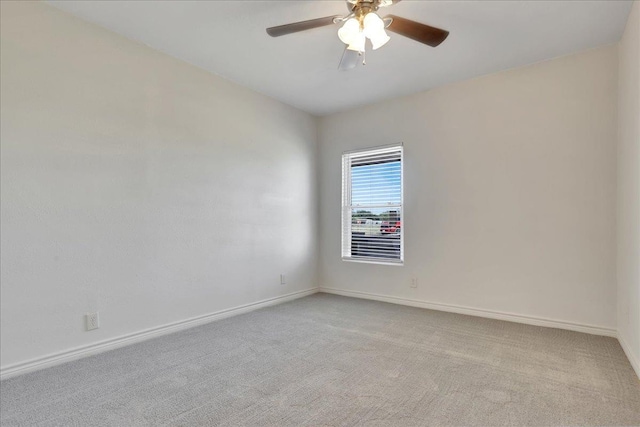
point(372, 24)
point(357, 43)
point(349, 31)
point(379, 39)
point(374, 30)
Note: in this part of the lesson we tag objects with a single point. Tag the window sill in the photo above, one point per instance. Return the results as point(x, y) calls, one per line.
point(398, 263)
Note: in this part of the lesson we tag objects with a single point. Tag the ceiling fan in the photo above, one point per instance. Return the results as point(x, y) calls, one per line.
point(364, 23)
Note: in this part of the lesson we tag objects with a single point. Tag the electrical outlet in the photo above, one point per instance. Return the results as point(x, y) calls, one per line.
point(414, 283)
point(93, 321)
point(283, 279)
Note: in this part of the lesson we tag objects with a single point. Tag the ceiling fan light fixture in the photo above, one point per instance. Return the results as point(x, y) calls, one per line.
point(379, 39)
point(372, 23)
point(358, 43)
point(350, 31)
point(374, 30)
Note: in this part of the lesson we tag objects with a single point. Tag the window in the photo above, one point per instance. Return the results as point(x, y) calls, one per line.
point(372, 205)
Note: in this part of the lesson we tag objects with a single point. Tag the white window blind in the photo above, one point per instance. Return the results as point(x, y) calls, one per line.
point(372, 205)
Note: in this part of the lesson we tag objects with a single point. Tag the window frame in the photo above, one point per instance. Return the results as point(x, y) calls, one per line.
point(348, 206)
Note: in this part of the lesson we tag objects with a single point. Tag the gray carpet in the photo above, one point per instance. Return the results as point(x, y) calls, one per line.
point(327, 360)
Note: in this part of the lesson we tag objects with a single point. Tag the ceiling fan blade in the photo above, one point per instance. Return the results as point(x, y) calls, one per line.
point(422, 33)
point(282, 30)
point(349, 60)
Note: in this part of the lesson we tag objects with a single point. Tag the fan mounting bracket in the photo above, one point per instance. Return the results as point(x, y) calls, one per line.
point(362, 7)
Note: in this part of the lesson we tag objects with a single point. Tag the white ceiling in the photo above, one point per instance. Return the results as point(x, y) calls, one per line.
point(228, 38)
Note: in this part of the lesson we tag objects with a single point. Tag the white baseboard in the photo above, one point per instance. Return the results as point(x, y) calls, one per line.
point(510, 317)
point(102, 346)
point(110, 344)
point(633, 359)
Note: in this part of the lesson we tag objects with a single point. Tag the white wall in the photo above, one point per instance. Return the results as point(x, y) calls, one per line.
point(629, 189)
point(139, 186)
point(510, 191)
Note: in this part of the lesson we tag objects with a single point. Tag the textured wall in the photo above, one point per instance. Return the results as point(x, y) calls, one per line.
point(139, 186)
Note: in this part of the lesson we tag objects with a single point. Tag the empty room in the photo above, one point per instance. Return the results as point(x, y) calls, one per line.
point(320, 213)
